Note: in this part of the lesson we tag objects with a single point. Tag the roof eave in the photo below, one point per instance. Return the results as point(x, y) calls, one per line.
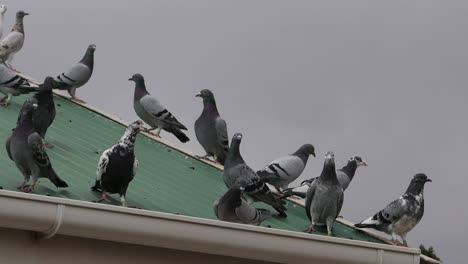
point(49, 216)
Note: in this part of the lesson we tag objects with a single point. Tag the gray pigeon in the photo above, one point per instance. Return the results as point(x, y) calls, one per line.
point(401, 215)
point(344, 175)
point(282, 171)
point(13, 42)
point(78, 75)
point(324, 197)
point(12, 84)
point(25, 148)
point(153, 113)
point(211, 129)
point(232, 208)
point(45, 113)
point(236, 172)
point(3, 9)
point(118, 166)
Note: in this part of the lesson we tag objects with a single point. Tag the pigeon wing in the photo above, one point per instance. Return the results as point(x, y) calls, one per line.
point(76, 75)
point(221, 132)
point(159, 112)
point(309, 197)
point(12, 41)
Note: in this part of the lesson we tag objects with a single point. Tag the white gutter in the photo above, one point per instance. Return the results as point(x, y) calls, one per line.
point(50, 216)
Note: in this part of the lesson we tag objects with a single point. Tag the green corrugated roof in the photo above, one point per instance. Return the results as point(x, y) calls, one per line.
point(167, 180)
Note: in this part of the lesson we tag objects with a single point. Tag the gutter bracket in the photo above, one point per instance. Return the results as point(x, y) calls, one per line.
point(380, 253)
point(52, 231)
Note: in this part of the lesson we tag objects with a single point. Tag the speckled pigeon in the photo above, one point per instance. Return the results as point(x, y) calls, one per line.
point(237, 172)
point(401, 215)
point(78, 75)
point(13, 41)
point(153, 113)
point(118, 166)
point(232, 208)
point(344, 175)
point(25, 148)
point(324, 197)
point(282, 171)
point(211, 129)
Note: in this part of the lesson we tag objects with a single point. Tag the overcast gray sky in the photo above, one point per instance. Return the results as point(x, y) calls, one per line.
point(383, 80)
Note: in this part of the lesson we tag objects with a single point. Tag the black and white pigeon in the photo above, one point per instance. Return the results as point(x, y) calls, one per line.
point(25, 148)
point(45, 112)
point(282, 171)
point(324, 197)
point(13, 41)
point(232, 208)
point(401, 215)
point(237, 172)
point(211, 129)
point(78, 75)
point(13, 84)
point(118, 166)
point(153, 113)
point(344, 175)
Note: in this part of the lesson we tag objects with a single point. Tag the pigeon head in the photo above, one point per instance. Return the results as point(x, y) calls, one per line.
point(28, 108)
point(48, 84)
point(209, 103)
point(92, 47)
point(328, 171)
point(3, 9)
point(307, 149)
point(136, 125)
point(237, 138)
point(205, 93)
point(137, 78)
point(35, 139)
point(355, 160)
point(417, 183)
point(329, 158)
point(20, 14)
point(234, 156)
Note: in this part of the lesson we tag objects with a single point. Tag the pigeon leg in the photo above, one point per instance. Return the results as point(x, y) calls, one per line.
point(78, 100)
point(22, 185)
point(30, 188)
point(123, 201)
point(206, 157)
point(6, 102)
point(309, 229)
point(103, 198)
point(158, 131)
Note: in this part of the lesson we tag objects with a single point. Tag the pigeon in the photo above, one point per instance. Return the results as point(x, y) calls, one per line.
point(117, 165)
point(3, 9)
point(13, 42)
point(45, 113)
point(324, 197)
point(25, 148)
point(401, 215)
point(282, 171)
point(211, 129)
point(237, 172)
point(344, 175)
point(232, 208)
point(12, 84)
point(78, 75)
point(153, 113)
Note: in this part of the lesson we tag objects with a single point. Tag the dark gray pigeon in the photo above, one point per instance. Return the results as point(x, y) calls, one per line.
point(118, 166)
point(324, 197)
point(282, 171)
point(13, 42)
point(401, 215)
point(78, 75)
point(237, 172)
point(211, 129)
point(25, 148)
point(232, 208)
point(45, 112)
point(344, 175)
point(153, 113)
point(12, 84)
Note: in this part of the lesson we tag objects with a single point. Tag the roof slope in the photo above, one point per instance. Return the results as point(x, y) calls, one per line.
point(168, 180)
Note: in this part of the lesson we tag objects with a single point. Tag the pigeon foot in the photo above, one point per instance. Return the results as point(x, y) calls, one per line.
point(48, 145)
point(29, 189)
point(78, 100)
point(309, 229)
point(103, 198)
point(4, 103)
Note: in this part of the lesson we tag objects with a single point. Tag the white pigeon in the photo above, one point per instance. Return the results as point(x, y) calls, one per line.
point(13, 42)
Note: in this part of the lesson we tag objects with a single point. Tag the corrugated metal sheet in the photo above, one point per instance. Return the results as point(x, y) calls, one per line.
point(167, 181)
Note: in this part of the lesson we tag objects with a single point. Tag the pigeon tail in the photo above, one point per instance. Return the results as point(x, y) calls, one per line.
point(368, 223)
point(179, 135)
point(290, 192)
point(55, 179)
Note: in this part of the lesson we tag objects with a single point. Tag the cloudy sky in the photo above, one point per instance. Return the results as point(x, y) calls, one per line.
point(386, 81)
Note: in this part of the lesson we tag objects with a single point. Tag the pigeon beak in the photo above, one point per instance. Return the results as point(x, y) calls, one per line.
point(313, 154)
point(198, 95)
point(26, 14)
point(34, 106)
point(428, 180)
point(362, 163)
point(130, 79)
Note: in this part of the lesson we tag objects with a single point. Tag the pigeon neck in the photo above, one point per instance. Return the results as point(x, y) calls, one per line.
point(140, 90)
point(329, 173)
point(302, 155)
point(349, 170)
point(88, 59)
point(19, 27)
point(234, 157)
point(128, 139)
point(25, 118)
point(415, 189)
point(209, 105)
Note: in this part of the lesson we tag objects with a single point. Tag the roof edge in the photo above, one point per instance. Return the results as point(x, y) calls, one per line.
point(49, 216)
